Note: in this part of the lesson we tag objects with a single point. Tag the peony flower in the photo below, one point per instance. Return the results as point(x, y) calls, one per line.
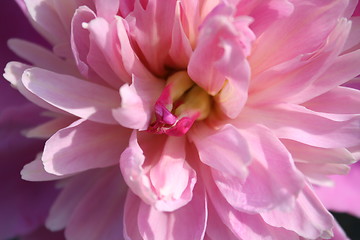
point(192, 119)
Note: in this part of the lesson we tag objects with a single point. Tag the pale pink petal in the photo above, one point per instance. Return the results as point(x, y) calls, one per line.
point(216, 229)
point(340, 100)
point(309, 218)
point(266, 12)
point(137, 102)
point(149, 170)
point(130, 60)
point(303, 125)
point(81, 98)
point(73, 191)
point(13, 73)
point(188, 222)
point(153, 41)
point(80, 42)
point(180, 49)
point(344, 196)
point(41, 57)
point(222, 42)
point(47, 21)
point(285, 81)
point(35, 171)
point(242, 225)
point(229, 151)
point(99, 215)
point(46, 130)
point(285, 39)
point(107, 8)
point(172, 178)
point(130, 221)
point(273, 180)
point(66, 153)
point(343, 69)
point(352, 43)
point(318, 163)
point(102, 53)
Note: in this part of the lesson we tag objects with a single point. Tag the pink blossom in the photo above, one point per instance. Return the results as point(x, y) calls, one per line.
point(192, 119)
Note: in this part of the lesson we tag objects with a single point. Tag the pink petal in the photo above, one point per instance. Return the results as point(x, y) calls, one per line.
point(216, 229)
point(229, 151)
point(83, 99)
point(73, 191)
point(106, 201)
point(66, 153)
point(273, 179)
point(154, 42)
point(149, 168)
point(318, 163)
point(13, 73)
point(41, 57)
point(266, 12)
point(309, 218)
point(352, 43)
point(285, 81)
point(222, 42)
point(80, 42)
point(285, 39)
point(46, 130)
point(107, 8)
point(97, 58)
point(188, 222)
point(137, 102)
point(344, 196)
point(343, 69)
point(242, 225)
point(180, 49)
point(340, 100)
point(35, 171)
point(131, 211)
point(47, 21)
point(303, 125)
point(102, 55)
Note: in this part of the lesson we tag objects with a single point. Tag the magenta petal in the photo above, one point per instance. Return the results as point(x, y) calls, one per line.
point(66, 153)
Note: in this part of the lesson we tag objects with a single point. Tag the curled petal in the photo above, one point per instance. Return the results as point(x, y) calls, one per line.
point(150, 173)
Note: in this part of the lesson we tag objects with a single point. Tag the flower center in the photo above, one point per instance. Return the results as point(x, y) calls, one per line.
point(180, 104)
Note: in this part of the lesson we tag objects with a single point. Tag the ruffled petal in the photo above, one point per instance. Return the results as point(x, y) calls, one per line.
point(149, 168)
